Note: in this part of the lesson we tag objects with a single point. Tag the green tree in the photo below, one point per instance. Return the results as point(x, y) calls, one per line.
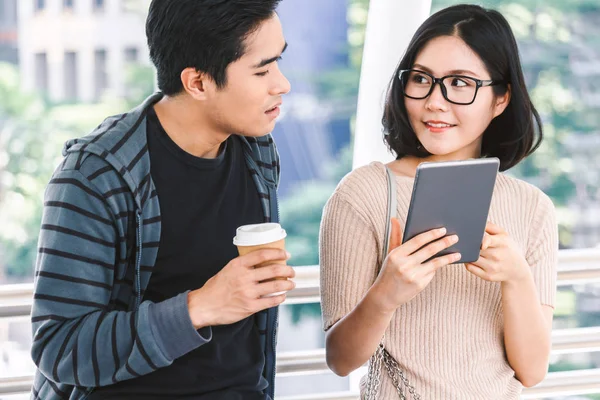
point(22, 117)
point(301, 217)
point(558, 42)
point(302, 209)
point(32, 135)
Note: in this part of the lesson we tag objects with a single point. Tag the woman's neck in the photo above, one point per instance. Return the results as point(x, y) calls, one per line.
point(407, 165)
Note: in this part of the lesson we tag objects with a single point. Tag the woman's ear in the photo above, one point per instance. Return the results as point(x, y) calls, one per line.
point(502, 102)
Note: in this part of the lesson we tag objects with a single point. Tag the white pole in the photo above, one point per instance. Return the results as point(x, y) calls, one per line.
point(390, 26)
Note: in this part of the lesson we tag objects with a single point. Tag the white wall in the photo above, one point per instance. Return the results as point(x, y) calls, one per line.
point(390, 26)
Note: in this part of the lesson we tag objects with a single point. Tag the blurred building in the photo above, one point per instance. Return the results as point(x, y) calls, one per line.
point(78, 50)
point(312, 129)
point(8, 31)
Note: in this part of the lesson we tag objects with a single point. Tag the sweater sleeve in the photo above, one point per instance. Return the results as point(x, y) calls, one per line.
point(542, 250)
point(349, 259)
point(77, 339)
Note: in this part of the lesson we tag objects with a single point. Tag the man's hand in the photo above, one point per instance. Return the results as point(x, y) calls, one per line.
point(237, 291)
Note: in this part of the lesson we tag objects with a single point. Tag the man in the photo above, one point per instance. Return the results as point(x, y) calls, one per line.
point(139, 292)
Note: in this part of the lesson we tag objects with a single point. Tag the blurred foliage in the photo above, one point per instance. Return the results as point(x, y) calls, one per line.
point(32, 134)
point(564, 365)
point(302, 208)
point(301, 216)
point(552, 36)
point(559, 43)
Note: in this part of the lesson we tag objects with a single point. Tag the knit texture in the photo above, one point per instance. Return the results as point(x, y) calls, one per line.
point(448, 340)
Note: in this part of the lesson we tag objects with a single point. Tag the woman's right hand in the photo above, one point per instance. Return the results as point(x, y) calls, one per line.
point(406, 271)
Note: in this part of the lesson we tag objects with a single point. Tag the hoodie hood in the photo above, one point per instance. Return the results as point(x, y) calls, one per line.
point(121, 141)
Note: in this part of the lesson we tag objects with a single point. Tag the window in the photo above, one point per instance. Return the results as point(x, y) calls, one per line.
point(70, 75)
point(41, 72)
point(131, 55)
point(8, 14)
point(68, 4)
point(39, 5)
point(100, 73)
point(98, 5)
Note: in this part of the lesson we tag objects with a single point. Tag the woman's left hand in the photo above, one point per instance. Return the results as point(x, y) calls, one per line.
point(500, 259)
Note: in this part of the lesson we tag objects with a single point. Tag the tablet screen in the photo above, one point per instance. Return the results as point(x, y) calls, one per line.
point(455, 195)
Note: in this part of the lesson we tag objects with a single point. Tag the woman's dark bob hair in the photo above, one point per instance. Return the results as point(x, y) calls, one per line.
point(514, 134)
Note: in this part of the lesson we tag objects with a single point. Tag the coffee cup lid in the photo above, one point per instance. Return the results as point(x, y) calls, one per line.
point(257, 234)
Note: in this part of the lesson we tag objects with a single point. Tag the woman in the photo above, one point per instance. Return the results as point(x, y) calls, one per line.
point(474, 331)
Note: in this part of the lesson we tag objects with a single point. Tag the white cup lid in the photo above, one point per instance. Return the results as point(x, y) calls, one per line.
point(257, 234)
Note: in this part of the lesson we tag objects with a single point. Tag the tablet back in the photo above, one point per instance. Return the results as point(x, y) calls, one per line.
point(455, 195)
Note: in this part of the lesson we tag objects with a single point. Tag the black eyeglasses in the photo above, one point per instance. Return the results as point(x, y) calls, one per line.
point(461, 90)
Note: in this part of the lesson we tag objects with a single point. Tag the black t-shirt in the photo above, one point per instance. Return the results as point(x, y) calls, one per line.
point(202, 202)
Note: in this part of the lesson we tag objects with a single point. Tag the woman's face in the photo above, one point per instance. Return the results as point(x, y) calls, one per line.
point(450, 131)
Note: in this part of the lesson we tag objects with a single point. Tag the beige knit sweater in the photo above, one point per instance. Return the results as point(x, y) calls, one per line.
point(449, 339)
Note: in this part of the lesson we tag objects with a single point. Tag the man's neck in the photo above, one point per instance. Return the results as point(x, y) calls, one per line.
point(188, 127)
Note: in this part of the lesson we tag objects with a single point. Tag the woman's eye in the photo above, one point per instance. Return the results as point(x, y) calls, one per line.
point(421, 79)
point(459, 82)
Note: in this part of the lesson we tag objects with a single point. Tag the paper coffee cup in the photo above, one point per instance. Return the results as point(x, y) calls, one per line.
point(254, 237)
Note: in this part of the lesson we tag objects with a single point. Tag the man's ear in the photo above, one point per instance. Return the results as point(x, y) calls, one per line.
point(502, 102)
point(196, 83)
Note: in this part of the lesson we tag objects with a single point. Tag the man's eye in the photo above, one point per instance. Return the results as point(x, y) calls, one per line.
point(262, 73)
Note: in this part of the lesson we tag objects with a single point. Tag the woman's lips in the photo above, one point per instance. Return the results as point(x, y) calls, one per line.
point(438, 126)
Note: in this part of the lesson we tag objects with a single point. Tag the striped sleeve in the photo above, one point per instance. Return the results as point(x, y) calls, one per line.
point(76, 339)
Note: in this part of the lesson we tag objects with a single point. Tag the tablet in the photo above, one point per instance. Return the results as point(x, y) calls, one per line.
point(455, 195)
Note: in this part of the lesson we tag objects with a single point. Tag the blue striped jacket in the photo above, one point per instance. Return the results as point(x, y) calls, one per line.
point(97, 246)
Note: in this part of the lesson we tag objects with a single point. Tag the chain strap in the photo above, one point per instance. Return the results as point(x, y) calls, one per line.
point(380, 358)
point(374, 373)
point(395, 372)
point(381, 355)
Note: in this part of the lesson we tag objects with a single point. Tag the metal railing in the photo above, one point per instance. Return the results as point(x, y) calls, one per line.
point(575, 267)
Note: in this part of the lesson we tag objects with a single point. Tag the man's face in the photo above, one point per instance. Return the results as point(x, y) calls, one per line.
point(249, 103)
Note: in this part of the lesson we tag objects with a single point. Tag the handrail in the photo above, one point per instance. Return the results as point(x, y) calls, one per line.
point(567, 383)
point(576, 266)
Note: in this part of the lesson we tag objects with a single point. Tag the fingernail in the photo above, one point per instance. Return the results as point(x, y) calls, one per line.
point(442, 231)
point(457, 256)
point(454, 238)
point(287, 253)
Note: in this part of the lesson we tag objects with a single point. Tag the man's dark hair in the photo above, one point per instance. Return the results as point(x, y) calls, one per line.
point(511, 136)
point(206, 35)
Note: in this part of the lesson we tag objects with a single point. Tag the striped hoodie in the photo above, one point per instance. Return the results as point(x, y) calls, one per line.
point(97, 247)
